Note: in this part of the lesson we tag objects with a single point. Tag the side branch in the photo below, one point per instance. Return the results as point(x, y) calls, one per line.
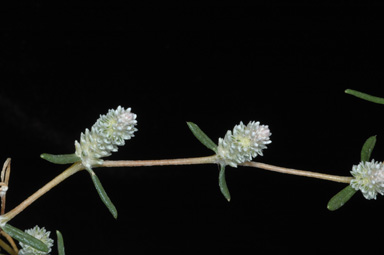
point(335, 178)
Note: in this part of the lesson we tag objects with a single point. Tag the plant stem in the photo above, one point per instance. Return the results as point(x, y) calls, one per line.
point(7, 248)
point(11, 241)
point(335, 178)
point(47, 187)
point(213, 160)
point(161, 162)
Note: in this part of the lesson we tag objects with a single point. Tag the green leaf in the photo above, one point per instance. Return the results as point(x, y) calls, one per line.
point(201, 136)
point(60, 243)
point(373, 99)
point(25, 238)
point(60, 159)
point(368, 148)
point(103, 195)
point(223, 184)
point(341, 198)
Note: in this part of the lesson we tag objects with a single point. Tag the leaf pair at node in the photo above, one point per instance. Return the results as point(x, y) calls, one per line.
point(205, 140)
point(73, 158)
point(347, 193)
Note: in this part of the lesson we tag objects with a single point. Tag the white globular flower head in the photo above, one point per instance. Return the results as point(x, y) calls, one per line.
point(243, 143)
point(368, 178)
point(40, 234)
point(109, 131)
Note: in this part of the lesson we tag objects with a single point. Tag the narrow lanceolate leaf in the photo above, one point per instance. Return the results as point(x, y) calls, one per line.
point(341, 198)
point(223, 184)
point(103, 195)
point(60, 159)
point(201, 136)
point(368, 148)
point(60, 243)
point(25, 238)
point(373, 99)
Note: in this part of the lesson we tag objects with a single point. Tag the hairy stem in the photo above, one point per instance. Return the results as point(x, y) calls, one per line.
point(47, 187)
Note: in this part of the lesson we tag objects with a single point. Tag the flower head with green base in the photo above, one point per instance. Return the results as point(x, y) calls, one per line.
point(243, 144)
point(109, 131)
point(368, 178)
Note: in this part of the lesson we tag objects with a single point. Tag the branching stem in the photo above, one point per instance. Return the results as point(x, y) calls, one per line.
point(47, 187)
point(162, 162)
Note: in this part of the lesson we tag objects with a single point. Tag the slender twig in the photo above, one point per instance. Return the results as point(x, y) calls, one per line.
point(5, 174)
point(160, 162)
point(163, 162)
point(47, 187)
point(11, 241)
point(335, 178)
point(213, 160)
point(7, 248)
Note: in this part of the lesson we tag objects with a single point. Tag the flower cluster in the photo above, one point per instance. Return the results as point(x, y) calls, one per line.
point(243, 144)
point(109, 131)
point(42, 235)
point(369, 178)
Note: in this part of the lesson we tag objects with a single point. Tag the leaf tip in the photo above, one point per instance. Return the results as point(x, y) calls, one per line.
point(103, 194)
point(190, 124)
point(331, 208)
point(60, 243)
point(223, 184)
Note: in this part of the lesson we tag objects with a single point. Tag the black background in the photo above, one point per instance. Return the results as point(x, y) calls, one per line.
point(283, 65)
